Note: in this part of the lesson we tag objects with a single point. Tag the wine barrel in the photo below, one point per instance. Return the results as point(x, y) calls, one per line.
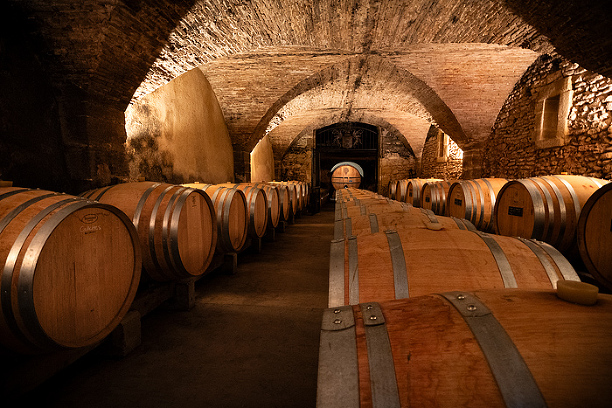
point(401, 190)
point(363, 222)
point(71, 268)
point(285, 201)
point(594, 235)
point(176, 226)
point(418, 261)
point(292, 198)
point(495, 348)
point(345, 176)
point(301, 193)
point(545, 208)
point(475, 200)
point(433, 196)
point(232, 215)
point(414, 189)
point(274, 206)
point(257, 207)
point(392, 188)
point(367, 206)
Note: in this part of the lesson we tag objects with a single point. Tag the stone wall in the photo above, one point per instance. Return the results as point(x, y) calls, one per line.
point(510, 150)
point(397, 160)
point(31, 145)
point(449, 168)
point(297, 162)
point(177, 134)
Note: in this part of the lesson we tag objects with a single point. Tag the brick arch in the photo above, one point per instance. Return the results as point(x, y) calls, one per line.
point(340, 87)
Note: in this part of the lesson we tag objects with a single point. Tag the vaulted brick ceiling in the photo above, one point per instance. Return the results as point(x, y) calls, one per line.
point(283, 66)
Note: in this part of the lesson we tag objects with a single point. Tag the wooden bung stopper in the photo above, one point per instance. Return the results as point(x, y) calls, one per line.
point(577, 292)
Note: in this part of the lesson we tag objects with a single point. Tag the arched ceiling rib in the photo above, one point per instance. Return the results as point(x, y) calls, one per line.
point(456, 86)
point(369, 85)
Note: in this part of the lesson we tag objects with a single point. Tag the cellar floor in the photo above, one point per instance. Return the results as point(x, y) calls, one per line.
point(251, 340)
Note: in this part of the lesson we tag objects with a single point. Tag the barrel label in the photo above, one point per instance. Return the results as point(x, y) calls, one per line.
point(516, 211)
point(90, 229)
point(458, 201)
point(89, 218)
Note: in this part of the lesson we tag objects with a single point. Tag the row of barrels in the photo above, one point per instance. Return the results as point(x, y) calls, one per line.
point(566, 211)
point(425, 310)
point(72, 264)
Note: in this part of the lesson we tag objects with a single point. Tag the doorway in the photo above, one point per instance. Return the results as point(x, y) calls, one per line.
point(347, 141)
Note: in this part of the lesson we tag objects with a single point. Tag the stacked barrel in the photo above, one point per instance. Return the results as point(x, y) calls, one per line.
point(547, 208)
point(412, 291)
point(71, 268)
point(73, 264)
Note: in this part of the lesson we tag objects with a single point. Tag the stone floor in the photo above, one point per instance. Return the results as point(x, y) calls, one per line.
point(252, 339)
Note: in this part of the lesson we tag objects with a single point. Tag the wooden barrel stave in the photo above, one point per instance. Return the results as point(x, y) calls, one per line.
point(257, 202)
point(433, 196)
point(59, 289)
point(413, 190)
point(274, 206)
point(594, 235)
point(232, 217)
point(545, 208)
point(475, 200)
point(458, 259)
point(288, 200)
point(345, 176)
point(176, 226)
point(363, 222)
point(559, 359)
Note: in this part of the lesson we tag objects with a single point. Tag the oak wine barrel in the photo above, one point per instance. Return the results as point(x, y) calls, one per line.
point(489, 348)
point(176, 226)
point(475, 200)
point(401, 190)
point(273, 198)
point(594, 235)
point(433, 196)
point(414, 189)
point(285, 201)
point(545, 208)
point(292, 198)
point(70, 270)
point(359, 221)
point(345, 176)
point(418, 261)
point(392, 188)
point(232, 215)
point(257, 207)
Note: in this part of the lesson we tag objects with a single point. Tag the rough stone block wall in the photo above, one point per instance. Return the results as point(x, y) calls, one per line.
point(510, 150)
point(297, 162)
point(450, 169)
point(397, 161)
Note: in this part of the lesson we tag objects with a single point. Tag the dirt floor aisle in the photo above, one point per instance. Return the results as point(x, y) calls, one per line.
point(252, 339)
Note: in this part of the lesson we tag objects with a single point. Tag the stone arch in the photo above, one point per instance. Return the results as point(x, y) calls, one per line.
point(373, 74)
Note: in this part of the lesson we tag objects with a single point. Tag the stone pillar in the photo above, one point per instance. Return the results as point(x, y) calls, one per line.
point(472, 162)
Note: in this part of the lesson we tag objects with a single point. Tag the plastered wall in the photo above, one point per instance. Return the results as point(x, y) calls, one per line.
point(262, 161)
point(178, 134)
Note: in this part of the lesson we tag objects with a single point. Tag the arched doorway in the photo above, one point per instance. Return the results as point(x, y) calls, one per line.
point(346, 141)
